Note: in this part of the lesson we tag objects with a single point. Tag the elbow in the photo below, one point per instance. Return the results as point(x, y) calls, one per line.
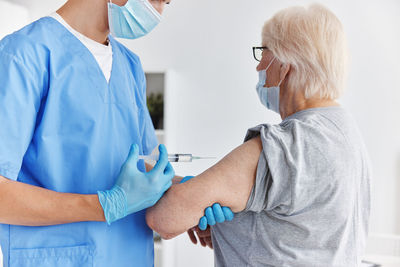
point(163, 227)
point(167, 236)
point(151, 219)
point(162, 218)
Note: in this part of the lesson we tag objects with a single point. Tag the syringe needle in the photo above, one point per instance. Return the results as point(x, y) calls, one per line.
point(204, 157)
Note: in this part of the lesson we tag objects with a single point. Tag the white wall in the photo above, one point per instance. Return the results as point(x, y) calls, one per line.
point(206, 48)
point(374, 99)
point(12, 17)
point(38, 8)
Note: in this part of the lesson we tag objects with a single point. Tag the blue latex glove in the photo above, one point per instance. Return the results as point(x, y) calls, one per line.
point(214, 214)
point(136, 190)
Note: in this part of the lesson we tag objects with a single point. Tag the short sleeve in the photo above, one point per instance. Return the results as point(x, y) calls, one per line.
point(272, 188)
point(20, 97)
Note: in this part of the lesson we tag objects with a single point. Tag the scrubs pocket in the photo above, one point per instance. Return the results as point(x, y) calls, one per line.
point(79, 256)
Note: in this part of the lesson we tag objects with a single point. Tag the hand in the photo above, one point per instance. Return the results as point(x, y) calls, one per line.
point(136, 190)
point(204, 236)
point(214, 214)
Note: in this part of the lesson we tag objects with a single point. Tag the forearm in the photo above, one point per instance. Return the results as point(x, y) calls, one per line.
point(165, 217)
point(183, 205)
point(23, 204)
point(228, 183)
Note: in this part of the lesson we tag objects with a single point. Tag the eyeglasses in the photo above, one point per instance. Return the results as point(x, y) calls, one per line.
point(257, 52)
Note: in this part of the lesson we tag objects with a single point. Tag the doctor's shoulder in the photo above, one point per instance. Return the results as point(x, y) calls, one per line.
point(27, 45)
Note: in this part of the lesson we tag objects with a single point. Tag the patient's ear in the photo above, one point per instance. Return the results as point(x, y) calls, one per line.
point(285, 68)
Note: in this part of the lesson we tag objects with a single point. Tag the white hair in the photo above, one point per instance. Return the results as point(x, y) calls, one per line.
point(313, 42)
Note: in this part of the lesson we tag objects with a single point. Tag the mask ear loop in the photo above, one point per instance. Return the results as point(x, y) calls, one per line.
point(281, 80)
point(279, 84)
point(269, 65)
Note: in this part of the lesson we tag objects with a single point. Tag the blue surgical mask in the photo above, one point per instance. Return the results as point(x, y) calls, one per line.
point(269, 96)
point(133, 20)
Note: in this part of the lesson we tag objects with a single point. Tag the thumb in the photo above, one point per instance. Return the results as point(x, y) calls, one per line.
point(162, 160)
point(133, 153)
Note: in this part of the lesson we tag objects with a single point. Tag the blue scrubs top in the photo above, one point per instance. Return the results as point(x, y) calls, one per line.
point(64, 128)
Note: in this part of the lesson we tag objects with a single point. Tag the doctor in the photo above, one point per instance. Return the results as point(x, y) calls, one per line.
point(73, 121)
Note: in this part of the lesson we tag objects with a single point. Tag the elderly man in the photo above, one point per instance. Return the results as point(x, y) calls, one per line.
point(300, 188)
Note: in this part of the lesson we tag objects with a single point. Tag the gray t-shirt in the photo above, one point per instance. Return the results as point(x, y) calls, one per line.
point(311, 200)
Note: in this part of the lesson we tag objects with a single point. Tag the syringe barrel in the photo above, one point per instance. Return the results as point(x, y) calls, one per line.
point(180, 157)
point(171, 157)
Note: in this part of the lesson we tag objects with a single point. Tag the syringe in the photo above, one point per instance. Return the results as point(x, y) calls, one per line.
point(174, 157)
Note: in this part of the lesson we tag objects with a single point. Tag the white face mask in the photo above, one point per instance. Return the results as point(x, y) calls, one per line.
point(269, 96)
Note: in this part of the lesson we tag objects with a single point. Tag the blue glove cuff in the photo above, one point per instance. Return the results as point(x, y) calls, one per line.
point(114, 204)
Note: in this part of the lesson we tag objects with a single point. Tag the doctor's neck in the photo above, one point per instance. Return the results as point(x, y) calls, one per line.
point(89, 17)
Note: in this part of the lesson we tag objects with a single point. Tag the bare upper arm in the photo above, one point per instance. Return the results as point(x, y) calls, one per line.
point(229, 182)
point(4, 179)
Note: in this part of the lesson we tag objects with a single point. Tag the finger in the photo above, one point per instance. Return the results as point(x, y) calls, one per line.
point(203, 223)
point(205, 233)
point(192, 236)
point(218, 213)
point(208, 241)
point(202, 242)
point(162, 160)
point(228, 213)
point(169, 171)
point(133, 154)
point(210, 216)
point(186, 178)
